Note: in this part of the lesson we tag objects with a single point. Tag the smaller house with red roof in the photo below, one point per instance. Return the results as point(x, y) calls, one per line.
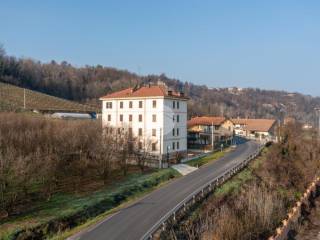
point(209, 132)
point(261, 129)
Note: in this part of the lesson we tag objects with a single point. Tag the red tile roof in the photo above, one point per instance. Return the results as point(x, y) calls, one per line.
point(206, 120)
point(240, 121)
point(145, 91)
point(260, 125)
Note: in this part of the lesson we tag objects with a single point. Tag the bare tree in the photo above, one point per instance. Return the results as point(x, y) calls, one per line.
point(123, 147)
point(105, 154)
point(142, 152)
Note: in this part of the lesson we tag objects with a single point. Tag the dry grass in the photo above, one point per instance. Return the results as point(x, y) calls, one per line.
point(250, 216)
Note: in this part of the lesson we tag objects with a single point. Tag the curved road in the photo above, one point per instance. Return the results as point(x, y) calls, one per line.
point(133, 222)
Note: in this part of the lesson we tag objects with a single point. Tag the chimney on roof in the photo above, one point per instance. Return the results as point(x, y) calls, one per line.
point(136, 87)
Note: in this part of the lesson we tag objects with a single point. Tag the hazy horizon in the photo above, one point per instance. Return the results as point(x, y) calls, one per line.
point(266, 45)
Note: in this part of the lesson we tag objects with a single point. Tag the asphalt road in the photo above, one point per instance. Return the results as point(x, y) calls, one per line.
point(133, 222)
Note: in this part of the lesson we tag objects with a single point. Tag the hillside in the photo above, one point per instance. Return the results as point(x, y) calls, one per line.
point(12, 99)
point(87, 84)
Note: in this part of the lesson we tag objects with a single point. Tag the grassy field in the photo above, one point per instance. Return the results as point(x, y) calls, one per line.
point(69, 210)
point(12, 99)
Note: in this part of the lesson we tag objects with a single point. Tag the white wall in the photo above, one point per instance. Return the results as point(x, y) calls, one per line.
point(164, 124)
point(170, 124)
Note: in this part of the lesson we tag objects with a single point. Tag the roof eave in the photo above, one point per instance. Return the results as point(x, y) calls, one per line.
point(125, 98)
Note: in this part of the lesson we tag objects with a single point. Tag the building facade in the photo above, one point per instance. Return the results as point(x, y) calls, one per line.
point(154, 115)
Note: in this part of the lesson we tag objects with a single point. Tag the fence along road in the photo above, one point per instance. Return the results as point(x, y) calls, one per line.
point(141, 219)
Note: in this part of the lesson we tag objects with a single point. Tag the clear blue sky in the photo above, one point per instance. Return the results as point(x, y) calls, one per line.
point(267, 44)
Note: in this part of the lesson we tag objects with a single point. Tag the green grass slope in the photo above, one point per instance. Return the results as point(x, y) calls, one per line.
point(12, 99)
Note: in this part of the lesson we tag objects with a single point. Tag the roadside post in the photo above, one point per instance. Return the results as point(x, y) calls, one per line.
point(168, 155)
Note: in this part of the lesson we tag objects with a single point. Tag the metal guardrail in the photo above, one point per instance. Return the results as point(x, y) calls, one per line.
point(206, 188)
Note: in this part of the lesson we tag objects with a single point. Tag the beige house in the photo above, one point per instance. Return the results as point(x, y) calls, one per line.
point(261, 129)
point(209, 131)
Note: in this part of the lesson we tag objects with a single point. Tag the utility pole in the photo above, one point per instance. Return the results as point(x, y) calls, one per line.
point(212, 135)
point(279, 131)
point(24, 98)
point(168, 156)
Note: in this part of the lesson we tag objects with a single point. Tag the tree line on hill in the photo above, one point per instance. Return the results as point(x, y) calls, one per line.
point(86, 84)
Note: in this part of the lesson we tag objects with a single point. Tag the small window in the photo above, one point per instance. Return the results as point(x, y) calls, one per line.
point(178, 104)
point(173, 132)
point(130, 117)
point(154, 147)
point(173, 118)
point(154, 118)
point(121, 118)
point(130, 104)
point(108, 104)
point(140, 132)
point(174, 104)
point(130, 132)
point(178, 118)
point(154, 132)
point(177, 131)
point(173, 146)
point(178, 145)
point(109, 117)
point(154, 103)
point(140, 104)
point(119, 131)
point(140, 117)
point(121, 104)
point(140, 145)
